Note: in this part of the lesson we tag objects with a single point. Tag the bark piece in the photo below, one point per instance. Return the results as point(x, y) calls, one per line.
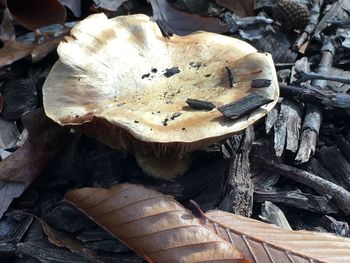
point(313, 114)
point(287, 127)
point(334, 162)
point(200, 104)
point(244, 106)
point(238, 196)
point(297, 199)
point(340, 195)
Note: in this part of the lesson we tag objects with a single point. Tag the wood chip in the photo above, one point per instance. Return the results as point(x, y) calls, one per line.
point(200, 104)
point(260, 83)
point(244, 106)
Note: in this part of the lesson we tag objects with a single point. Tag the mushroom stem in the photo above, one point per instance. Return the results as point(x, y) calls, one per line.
point(167, 167)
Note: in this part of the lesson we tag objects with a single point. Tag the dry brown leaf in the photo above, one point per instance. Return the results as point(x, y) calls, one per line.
point(183, 23)
point(158, 227)
point(7, 30)
point(34, 14)
point(241, 8)
point(262, 242)
point(14, 50)
point(73, 5)
point(22, 167)
point(154, 225)
point(60, 239)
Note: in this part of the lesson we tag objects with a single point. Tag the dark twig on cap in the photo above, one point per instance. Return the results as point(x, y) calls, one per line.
point(244, 106)
point(200, 104)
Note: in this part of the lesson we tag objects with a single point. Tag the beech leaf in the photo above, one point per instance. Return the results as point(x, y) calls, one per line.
point(182, 23)
point(21, 168)
point(155, 225)
point(60, 239)
point(161, 230)
point(262, 242)
point(34, 14)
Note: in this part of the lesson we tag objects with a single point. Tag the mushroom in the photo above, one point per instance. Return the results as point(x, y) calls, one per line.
point(120, 81)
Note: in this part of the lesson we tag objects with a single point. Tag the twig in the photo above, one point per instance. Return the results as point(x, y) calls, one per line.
point(305, 76)
point(338, 193)
point(310, 94)
point(313, 113)
point(310, 28)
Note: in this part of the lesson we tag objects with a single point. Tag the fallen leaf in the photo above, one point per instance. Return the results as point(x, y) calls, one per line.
point(7, 29)
point(158, 227)
point(73, 5)
point(8, 134)
point(182, 23)
point(14, 50)
point(241, 8)
point(262, 242)
point(9, 191)
point(34, 14)
point(111, 5)
point(60, 239)
point(154, 225)
point(21, 168)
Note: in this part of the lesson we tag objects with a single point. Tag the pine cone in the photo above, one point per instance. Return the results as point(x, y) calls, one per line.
point(291, 14)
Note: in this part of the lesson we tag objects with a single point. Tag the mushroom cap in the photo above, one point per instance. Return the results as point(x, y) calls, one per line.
point(122, 82)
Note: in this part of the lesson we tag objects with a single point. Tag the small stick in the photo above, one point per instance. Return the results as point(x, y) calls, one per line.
point(200, 104)
point(305, 76)
point(230, 76)
point(260, 83)
point(310, 94)
point(310, 28)
point(244, 106)
point(339, 194)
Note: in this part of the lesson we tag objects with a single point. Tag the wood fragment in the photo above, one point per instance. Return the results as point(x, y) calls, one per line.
point(313, 95)
point(336, 164)
point(260, 83)
point(315, 13)
point(297, 199)
point(338, 193)
point(200, 104)
point(287, 127)
point(238, 196)
point(272, 214)
point(244, 106)
point(313, 114)
point(230, 76)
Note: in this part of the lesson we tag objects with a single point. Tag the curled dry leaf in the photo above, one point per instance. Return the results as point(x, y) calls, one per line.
point(34, 14)
point(154, 225)
point(161, 230)
point(22, 167)
point(60, 239)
